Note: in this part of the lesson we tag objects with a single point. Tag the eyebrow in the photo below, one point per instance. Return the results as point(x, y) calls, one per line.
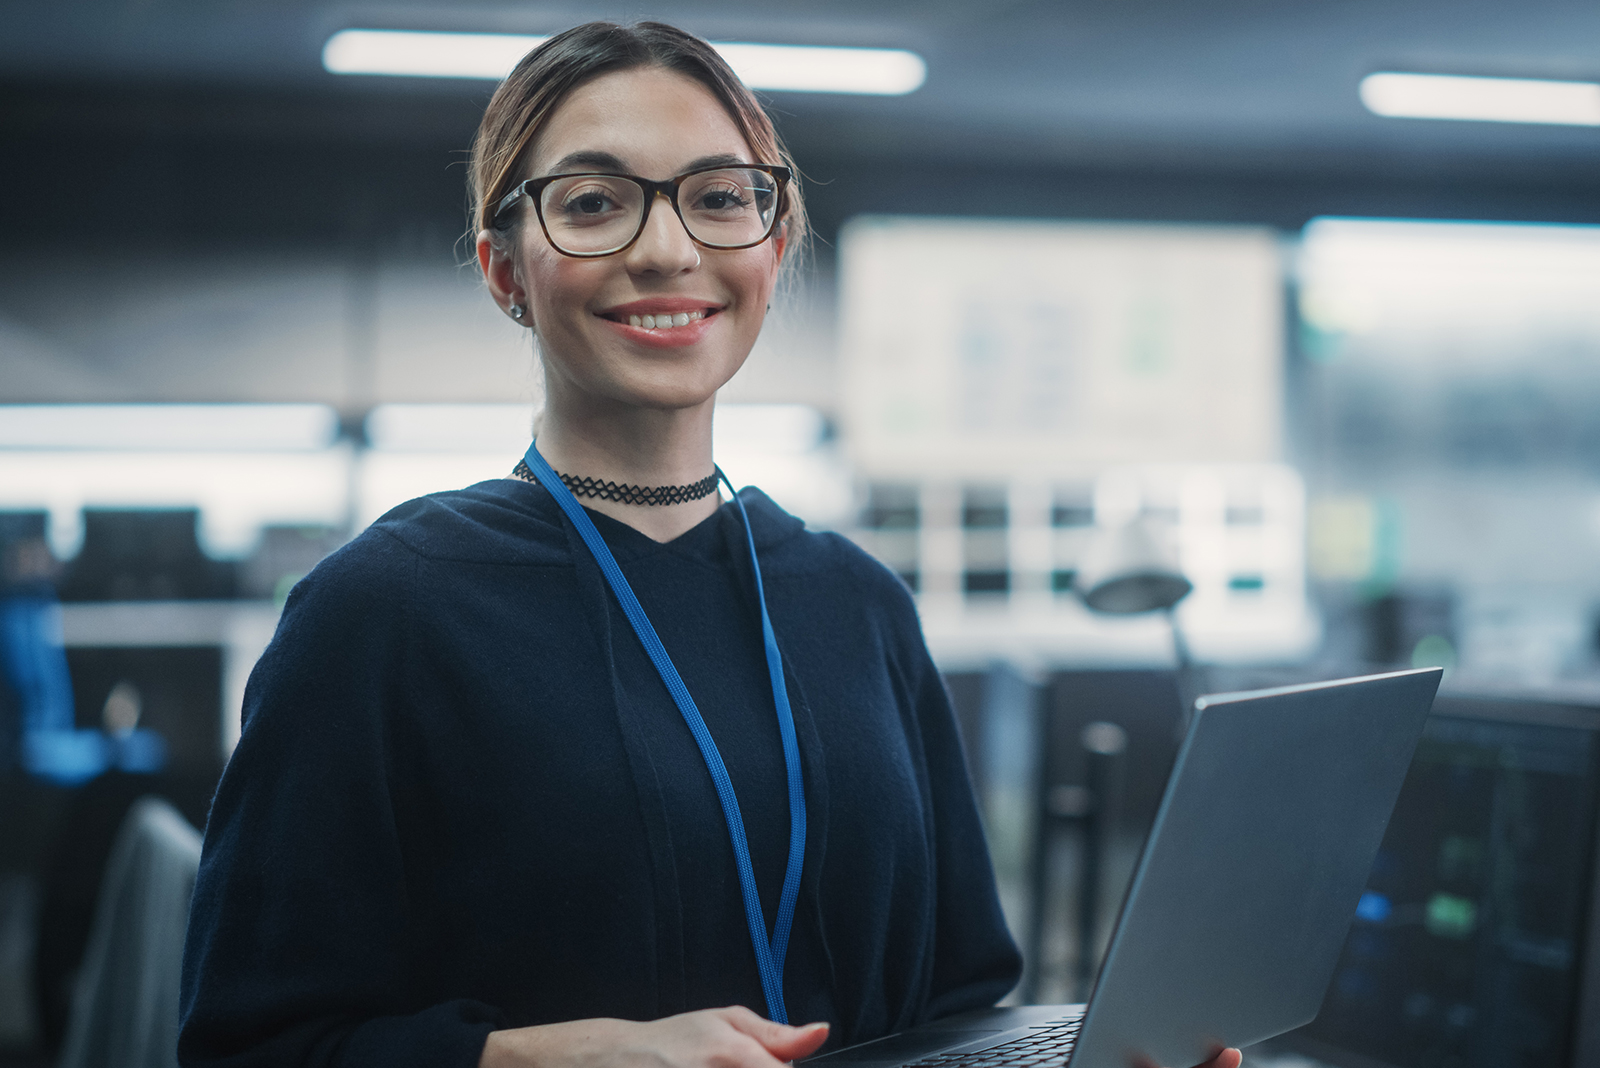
point(723, 159)
point(605, 161)
point(601, 160)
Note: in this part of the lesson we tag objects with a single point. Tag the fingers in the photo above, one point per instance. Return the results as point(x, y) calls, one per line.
point(800, 1042)
point(1224, 1058)
point(784, 1042)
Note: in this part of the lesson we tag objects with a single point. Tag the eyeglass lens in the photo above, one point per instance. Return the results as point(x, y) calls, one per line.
point(592, 213)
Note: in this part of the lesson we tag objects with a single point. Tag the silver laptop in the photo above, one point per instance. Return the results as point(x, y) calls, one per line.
point(1242, 897)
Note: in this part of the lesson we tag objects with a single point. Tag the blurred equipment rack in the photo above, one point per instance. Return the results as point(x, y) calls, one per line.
point(240, 629)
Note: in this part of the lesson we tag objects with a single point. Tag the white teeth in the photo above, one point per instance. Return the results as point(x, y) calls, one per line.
point(666, 319)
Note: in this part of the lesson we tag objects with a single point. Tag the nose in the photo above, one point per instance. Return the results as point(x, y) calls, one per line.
point(665, 246)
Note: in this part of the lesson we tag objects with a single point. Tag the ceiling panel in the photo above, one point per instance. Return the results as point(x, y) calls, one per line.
point(1135, 72)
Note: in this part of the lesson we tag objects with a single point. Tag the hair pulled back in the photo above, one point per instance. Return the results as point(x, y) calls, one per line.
point(545, 76)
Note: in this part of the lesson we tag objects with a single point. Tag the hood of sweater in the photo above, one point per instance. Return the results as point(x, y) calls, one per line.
point(510, 521)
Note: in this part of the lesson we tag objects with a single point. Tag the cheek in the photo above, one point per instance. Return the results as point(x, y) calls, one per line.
point(557, 285)
point(758, 275)
point(537, 269)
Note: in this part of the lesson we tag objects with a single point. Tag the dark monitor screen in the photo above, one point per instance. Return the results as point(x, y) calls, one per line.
point(1468, 947)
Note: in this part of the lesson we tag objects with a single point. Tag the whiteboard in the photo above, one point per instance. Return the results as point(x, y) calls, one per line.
point(999, 349)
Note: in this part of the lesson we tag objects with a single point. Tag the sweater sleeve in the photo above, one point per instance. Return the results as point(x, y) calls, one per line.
point(297, 951)
point(975, 959)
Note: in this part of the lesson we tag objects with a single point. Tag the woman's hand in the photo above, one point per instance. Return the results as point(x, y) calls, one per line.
point(1222, 1058)
point(711, 1038)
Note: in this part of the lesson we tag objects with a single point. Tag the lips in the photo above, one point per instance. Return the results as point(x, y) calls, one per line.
point(662, 322)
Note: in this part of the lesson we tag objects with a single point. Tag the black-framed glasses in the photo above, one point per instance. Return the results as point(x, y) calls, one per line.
point(596, 214)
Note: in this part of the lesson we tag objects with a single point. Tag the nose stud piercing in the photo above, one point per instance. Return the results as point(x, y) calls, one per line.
point(517, 311)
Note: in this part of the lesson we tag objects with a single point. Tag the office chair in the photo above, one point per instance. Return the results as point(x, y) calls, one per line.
point(125, 1004)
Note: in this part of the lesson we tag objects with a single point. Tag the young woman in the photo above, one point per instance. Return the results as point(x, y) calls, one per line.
point(524, 782)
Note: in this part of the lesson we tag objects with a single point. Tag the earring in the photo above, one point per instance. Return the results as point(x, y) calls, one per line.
point(516, 310)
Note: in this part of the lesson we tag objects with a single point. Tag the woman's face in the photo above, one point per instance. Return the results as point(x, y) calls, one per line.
point(656, 124)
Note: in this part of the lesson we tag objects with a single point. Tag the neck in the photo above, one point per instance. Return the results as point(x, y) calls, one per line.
point(636, 446)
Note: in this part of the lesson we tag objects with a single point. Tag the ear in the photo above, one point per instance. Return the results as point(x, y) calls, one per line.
point(780, 238)
point(500, 274)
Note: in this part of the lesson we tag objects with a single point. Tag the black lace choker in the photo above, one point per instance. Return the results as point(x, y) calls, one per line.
point(625, 494)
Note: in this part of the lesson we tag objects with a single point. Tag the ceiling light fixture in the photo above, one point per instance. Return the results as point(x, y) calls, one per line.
point(1449, 96)
point(809, 69)
point(412, 54)
point(169, 427)
point(784, 68)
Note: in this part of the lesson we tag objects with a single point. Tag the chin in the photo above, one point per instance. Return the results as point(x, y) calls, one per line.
point(672, 400)
point(671, 388)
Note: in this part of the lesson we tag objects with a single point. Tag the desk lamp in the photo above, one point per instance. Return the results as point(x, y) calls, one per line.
point(1130, 568)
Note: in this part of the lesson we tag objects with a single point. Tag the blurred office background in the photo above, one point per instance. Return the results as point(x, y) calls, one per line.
point(1181, 274)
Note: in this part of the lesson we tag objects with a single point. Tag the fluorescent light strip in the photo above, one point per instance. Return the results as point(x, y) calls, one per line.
point(169, 427)
point(806, 69)
point(409, 54)
point(786, 68)
point(1447, 96)
point(485, 428)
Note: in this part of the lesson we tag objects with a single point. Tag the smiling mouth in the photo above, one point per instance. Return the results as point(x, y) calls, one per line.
point(663, 321)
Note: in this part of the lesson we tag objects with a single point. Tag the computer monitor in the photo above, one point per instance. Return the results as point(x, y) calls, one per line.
point(1477, 941)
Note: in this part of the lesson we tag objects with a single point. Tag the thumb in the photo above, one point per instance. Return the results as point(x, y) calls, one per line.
point(791, 1043)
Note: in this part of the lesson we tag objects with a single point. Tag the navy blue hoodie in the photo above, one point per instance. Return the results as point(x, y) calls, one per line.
point(463, 799)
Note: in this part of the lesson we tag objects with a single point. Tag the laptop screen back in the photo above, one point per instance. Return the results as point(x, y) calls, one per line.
point(1242, 897)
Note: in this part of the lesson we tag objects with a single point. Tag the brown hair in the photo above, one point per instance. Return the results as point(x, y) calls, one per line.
point(544, 77)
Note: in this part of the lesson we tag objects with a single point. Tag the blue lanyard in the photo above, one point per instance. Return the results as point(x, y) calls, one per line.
point(769, 954)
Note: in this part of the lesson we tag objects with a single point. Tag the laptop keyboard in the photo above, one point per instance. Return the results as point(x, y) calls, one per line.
point(1048, 1044)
